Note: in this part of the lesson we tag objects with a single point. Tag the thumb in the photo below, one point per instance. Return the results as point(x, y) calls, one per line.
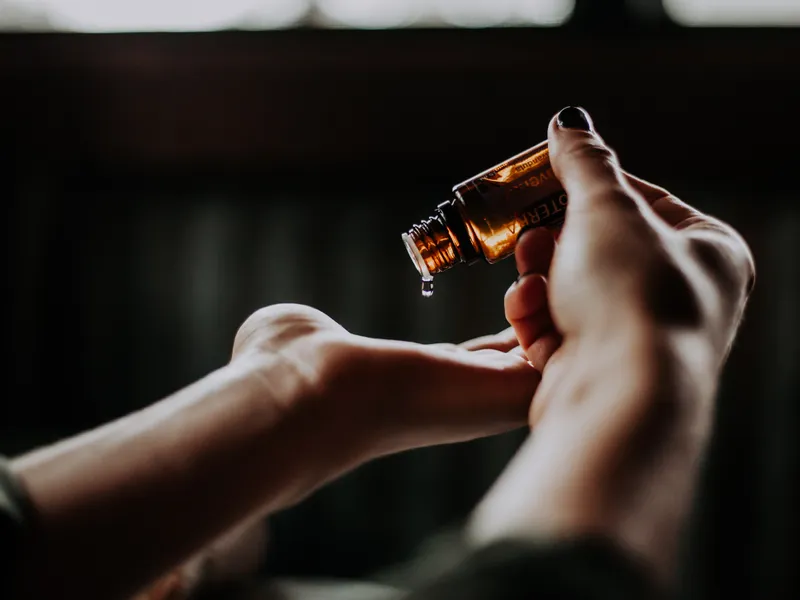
point(586, 167)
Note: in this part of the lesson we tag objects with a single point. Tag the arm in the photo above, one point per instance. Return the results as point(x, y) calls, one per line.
point(630, 317)
point(118, 506)
point(301, 401)
point(619, 456)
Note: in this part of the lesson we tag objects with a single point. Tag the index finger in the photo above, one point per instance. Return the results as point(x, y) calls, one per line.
point(670, 208)
point(718, 245)
point(504, 341)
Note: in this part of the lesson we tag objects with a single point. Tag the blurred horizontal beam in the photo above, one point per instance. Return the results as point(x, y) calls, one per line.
point(668, 99)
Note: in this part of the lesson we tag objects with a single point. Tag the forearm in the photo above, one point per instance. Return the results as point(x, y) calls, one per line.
point(120, 505)
point(618, 456)
point(659, 462)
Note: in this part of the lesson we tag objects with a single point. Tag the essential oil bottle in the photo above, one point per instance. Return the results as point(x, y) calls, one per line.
point(486, 215)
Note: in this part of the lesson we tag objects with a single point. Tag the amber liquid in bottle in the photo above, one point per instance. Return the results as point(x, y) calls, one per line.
point(487, 215)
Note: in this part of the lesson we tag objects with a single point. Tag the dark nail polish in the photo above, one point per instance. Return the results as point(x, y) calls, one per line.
point(573, 117)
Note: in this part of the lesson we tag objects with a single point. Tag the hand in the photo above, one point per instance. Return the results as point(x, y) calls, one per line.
point(365, 397)
point(630, 256)
point(300, 402)
point(362, 397)
point(629, 316)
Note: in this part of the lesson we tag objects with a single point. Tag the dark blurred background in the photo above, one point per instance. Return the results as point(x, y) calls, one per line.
point(160, 185)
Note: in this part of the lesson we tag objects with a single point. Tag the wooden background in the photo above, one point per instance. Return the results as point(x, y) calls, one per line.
point(158, 187)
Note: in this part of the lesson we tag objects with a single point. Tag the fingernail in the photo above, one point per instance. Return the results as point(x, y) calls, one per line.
point(573, 117)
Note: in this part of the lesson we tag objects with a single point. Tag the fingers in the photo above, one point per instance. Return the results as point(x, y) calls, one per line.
point(621, 224)
point(673, 211)
point(719, 247)
point(504, 341)
point(526, 304)
point(583, 162)
point(481, 392)
point(533, 255)
point(587, 168)
point(433, 395)
point(527, 311)
point(534, 251)
point(277, 324)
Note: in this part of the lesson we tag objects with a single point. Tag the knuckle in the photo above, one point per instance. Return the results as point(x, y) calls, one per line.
point(646, 266)
point(726, 257)
point(594, 150)
point(283, 322)
point(290, 313)
point(750, 272)
point(625, 243)
point(617, 195)
point(670, 294)
point(599, 172)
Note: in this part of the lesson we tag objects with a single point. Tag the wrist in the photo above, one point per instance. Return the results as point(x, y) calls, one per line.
point(616, 446)
point(315, 430)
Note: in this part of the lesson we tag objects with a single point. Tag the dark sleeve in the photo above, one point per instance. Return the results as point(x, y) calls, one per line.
point(581, 569)
point(14, 521)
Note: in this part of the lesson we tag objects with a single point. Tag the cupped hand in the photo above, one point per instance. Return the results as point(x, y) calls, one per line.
point(343, 399)
point(370, 397)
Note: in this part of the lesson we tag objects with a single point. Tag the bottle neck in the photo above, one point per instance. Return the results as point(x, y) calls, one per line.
point(436, 243)
point(430, 242)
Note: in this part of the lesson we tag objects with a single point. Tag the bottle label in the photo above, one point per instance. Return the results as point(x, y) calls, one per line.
point(518, 193)
point(511, 171)
point(534, 199)
point(549, 211)
point(498, 212)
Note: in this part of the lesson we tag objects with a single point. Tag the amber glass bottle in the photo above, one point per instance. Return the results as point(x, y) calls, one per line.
point(487, 214)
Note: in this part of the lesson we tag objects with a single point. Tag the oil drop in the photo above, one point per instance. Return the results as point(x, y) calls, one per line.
point(416, 256)
point(427, 287)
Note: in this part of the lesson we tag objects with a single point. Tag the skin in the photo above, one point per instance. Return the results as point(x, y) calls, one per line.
point(622, 385)
point(301, 401)
point(629, 317)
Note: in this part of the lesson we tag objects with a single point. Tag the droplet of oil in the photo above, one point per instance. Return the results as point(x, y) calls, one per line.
point(427, 287)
